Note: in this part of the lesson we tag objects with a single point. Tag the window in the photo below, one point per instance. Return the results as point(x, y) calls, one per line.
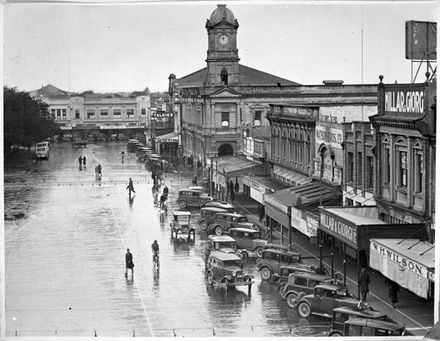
point(58, 113)
point(369, 176)
point(130, 112)
point(350, 170)
point(77, 113)
point(359, 169)
point(225, 119)
point(64, 112)
point(386, 166)
point(90, 113)
point(402, 168)
point(143, 111)
point(301, 281)
point(224, 77)
point(116, 112)
point(418, 170)
point(257, 118)
point(103, 112)
point(52, 112)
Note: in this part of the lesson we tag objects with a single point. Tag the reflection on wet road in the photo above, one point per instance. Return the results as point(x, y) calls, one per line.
point(65, 239)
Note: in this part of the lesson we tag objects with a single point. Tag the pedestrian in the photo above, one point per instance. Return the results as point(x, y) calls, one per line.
point(261, 213)
point(84, 160)
point(364, 282)
point(393, 288)
point(237, 186)
point(122, 156)
point(232, 196)
point(194, 182)
point(130, 187)
point(80, 160)
point(129, 263)
point(231, 186)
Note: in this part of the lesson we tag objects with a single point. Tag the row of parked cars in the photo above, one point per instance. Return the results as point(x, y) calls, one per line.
point(308, 289)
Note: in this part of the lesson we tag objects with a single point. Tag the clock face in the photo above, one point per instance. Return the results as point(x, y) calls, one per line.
point(223, 40)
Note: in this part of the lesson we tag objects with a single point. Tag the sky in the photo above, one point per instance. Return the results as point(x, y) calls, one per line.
point(127, 47)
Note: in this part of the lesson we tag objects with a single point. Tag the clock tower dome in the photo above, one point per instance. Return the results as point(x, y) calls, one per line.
point(222, 57)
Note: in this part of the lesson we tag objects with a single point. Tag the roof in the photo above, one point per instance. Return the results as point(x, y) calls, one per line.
point(247, 77)
point(358, 215)
point(419, 251)
point(222, 14)
point(269, 182)
point(234, 166)
point(48, 90)
point(222, 238)
point(224, 256)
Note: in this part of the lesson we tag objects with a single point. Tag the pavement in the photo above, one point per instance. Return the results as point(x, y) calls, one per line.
point(412, 311)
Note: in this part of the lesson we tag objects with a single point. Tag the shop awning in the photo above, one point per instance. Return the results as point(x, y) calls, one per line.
point(230, 166)
point(171, 137)
point(408, 262)
point(264, 184)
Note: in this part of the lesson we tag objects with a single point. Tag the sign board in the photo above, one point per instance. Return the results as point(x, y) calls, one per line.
point(257, 195)
point(339, 229)
point(420, 40)
point(330, 136)
point(298, 220)
point(405, 99)
point(277, 204)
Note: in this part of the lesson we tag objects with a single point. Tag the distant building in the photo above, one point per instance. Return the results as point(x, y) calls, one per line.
point(100, 116)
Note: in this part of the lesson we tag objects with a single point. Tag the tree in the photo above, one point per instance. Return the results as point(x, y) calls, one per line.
point(26, 120)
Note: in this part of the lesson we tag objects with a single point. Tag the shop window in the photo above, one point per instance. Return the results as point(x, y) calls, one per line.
point(225, 119)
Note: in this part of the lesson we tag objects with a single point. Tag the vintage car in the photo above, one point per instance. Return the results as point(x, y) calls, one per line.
point(300, 284)
point(207, 216)
point(222, 243)
point(192, 197)
point(248, 240)
point(371, 327)
point(273, 259)
point(223, 205)
point(325, 298)
point(226, 269)
point(224, 221)
point(181, 224)
point(286, 270)
point(342, 314)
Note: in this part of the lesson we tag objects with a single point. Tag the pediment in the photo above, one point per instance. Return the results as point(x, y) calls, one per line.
point(225, 92)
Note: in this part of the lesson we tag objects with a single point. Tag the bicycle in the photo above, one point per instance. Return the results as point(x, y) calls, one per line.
point(156, 260)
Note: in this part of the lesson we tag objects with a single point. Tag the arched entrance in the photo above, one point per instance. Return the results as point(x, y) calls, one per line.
point(225, 149)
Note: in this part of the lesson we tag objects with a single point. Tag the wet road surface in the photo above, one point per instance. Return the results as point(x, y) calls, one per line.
point(65, 240)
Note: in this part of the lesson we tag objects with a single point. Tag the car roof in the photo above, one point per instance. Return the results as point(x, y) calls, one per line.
point(374, 323)
point(234, 214)
point(222, 238)
point(196, 188)
point(213, 209)
point(219, 204)
point(329, 286)
point(244, 229)
point(224, 256)
point(360, 312)
point(190, 190)
point(282, 252)
point(181, 213)
point(310, 275)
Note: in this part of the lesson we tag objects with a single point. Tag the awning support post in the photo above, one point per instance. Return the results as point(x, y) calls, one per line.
point(320, 249)
point(332, 248)
point(345, 264)
point(357, 261)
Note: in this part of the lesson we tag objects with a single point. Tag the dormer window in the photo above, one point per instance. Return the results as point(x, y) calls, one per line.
point(224, 77)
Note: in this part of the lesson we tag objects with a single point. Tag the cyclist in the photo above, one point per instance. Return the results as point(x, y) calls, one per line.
point(155, 250)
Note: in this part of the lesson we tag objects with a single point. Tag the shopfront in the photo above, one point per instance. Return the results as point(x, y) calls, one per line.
point(409, 262)
point(277, 212)
point(353, 227)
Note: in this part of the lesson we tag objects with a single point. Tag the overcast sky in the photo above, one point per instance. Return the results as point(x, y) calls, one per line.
point(127, 47)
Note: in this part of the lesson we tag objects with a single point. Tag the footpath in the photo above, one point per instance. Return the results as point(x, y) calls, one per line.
point(412, 311)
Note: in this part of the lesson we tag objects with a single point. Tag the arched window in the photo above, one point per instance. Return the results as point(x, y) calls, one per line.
point(401, 163)
point(224, 77)
point(418, 167)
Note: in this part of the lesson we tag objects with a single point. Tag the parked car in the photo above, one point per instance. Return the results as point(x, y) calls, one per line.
point(273, 259)
point(342, 314)
point(226, 269)
point(191, 197)
point(371, 327)
point(286, 270)
point(181, 224)
point(324, 299)
point(223, 205)
point(300, 284)
point(248, 240)
point(224, 221)
point(222, 243)
point(207, 216)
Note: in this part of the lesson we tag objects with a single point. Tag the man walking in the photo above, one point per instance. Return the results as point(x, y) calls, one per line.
point(364, 282)
point(80, 161)
point(84, 161)
point(130, 187)
point(129, 263)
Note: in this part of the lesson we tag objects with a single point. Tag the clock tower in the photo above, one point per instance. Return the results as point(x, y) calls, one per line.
point(222, 57)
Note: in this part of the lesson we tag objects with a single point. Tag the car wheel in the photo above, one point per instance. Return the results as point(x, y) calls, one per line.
point(182, 204)
point(265, 273)
point(218, 230)
point(210, 278)
point(335, 333)
point(203, 225)
point(259, 251)
point(304, 309)
point(292, 299)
